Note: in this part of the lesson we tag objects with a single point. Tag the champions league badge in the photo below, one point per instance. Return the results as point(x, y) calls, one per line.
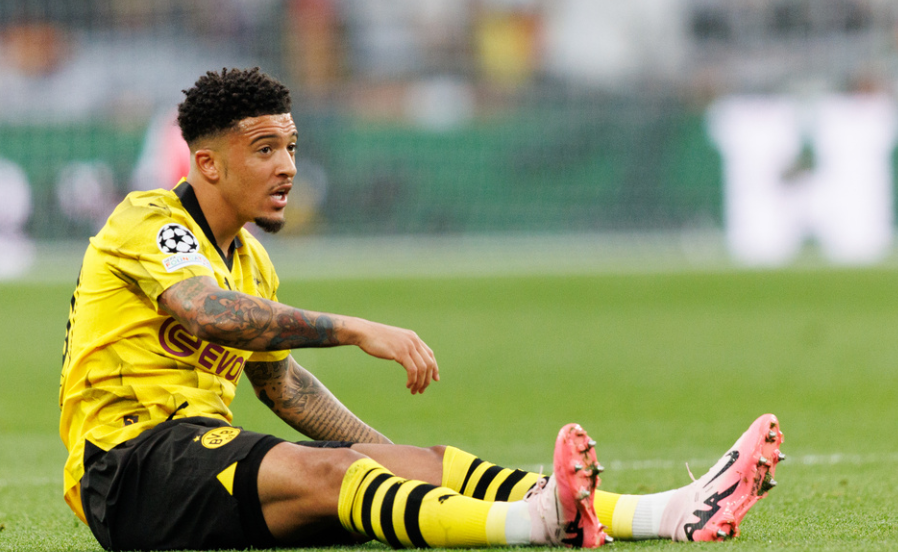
point(181, 246)
point(174, 238)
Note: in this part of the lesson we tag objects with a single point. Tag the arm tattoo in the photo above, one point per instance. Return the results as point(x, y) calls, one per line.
point(237, 316)
point(298, 326)
point(302, 401)
point(235, 319)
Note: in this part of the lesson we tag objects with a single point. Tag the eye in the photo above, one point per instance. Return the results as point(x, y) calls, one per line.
point(291, 148)
point(265, 149)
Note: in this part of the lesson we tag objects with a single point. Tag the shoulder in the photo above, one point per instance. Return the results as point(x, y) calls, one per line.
point(140, 205)
point(144, 216)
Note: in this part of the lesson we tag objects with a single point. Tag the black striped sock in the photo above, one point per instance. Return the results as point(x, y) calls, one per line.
point(411, 514)
point(471, 476)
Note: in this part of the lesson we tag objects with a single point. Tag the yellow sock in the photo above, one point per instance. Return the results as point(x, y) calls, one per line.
point(471, 476)
point(631, 517)
point(615, 512)
point(413, 514)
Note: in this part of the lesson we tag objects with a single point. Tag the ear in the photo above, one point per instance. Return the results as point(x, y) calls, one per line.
point(207, 163)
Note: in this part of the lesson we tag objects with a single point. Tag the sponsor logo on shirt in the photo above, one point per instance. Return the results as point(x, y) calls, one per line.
point(178, 342)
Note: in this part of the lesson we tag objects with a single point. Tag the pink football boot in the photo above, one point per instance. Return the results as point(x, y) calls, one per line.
point(710, 508)
point(564, 502)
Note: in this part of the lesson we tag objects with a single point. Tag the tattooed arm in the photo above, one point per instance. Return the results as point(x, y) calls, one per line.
point(243, 321)
point(302, 401)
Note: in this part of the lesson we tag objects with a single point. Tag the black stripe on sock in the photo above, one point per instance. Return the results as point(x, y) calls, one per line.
point(351, 520)
point(474, 464)
point(368, 502)
point(386, 516)
point(485, 480)
point(508, 485)
point(413, 513)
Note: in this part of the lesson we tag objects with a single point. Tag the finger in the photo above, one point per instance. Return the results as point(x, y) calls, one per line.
point(429, 360)
point(423, 372)
point(411, 373)
point(432, 363)
point(414, 376)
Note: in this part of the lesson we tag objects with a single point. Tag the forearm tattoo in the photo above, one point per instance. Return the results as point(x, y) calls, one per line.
point(243, 321)
point(296, 396)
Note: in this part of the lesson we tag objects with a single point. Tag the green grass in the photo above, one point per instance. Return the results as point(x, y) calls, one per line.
point(662, 369)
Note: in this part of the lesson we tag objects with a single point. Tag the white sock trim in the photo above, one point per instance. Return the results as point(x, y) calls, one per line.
point(518, 524)
point(647, 518)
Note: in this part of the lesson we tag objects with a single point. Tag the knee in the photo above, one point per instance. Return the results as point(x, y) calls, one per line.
point(437, 451)
point(334, 465)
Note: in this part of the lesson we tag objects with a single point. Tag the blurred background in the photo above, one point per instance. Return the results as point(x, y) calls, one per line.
point(749, 131)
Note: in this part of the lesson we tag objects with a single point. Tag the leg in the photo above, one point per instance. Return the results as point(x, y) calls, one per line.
point(307, 492)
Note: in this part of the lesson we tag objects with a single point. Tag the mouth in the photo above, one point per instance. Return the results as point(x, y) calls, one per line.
point(279, 195)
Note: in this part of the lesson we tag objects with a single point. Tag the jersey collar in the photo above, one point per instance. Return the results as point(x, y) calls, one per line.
point(191, 204)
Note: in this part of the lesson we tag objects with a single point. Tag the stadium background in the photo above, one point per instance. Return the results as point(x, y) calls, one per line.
point(434, 117)
point(534, 192)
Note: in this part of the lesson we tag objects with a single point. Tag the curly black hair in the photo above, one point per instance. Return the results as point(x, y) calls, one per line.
point(218, 101)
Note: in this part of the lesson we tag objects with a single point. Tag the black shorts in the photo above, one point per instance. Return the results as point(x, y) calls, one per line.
point(189, 483)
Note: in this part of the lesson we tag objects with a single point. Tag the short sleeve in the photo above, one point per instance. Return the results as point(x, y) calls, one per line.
point(153, 250)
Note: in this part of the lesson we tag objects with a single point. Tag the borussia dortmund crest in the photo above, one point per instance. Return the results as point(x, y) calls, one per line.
point(219, 437)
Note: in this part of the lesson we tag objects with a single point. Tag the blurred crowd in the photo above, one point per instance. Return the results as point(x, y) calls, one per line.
point(86, 58)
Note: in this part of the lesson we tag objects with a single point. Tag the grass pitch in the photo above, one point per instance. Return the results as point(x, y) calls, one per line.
point(662, 369)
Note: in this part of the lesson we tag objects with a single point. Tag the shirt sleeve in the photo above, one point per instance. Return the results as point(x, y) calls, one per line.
point(153, 251)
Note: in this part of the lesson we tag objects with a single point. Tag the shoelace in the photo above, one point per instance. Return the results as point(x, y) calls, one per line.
point(537, 488)
point(690, 472)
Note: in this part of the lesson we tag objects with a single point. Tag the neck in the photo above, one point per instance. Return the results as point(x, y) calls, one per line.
point(223, 227)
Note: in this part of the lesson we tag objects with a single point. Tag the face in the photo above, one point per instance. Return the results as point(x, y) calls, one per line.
point(257, 169)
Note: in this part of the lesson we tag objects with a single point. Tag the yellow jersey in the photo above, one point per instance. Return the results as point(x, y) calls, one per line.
point(127, 364)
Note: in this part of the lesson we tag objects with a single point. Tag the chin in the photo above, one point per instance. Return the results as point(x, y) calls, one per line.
point(270, 225)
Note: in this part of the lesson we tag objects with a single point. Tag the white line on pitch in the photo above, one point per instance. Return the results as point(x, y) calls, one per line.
point(805, 459)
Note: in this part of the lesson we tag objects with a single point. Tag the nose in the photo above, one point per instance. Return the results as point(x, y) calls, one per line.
point(286, 164)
